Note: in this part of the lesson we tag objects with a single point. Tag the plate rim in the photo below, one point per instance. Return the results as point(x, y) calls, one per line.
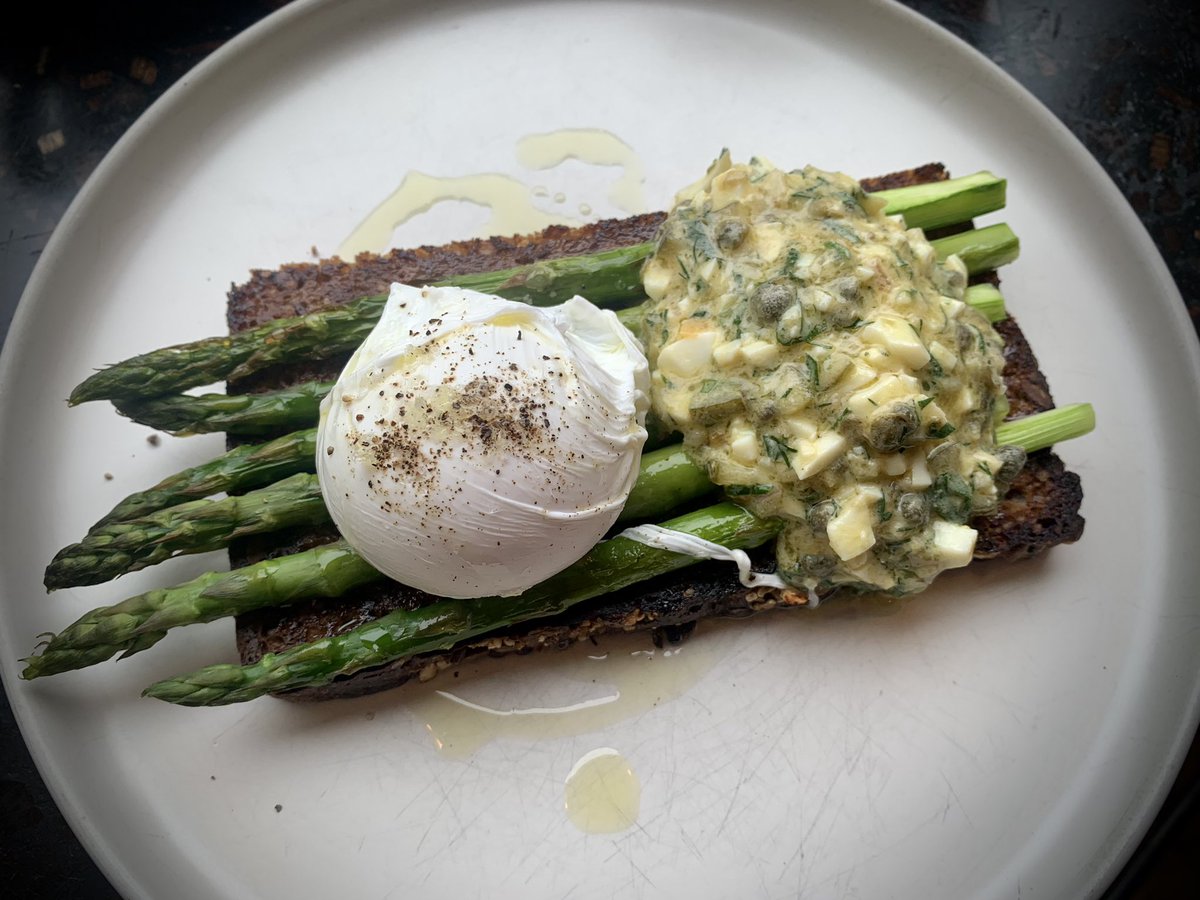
point(1136, 819)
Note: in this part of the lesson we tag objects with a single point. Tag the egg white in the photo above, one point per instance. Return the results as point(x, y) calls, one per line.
point(474, 446)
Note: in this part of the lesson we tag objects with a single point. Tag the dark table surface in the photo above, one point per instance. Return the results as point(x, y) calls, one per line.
point(1122, 75)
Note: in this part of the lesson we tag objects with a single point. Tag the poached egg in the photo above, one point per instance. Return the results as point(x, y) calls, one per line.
point(475, 446)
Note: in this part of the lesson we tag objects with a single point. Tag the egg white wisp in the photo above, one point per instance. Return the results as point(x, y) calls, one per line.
point(475, 446)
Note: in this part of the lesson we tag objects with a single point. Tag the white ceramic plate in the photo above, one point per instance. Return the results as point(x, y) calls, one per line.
point(1010, 733)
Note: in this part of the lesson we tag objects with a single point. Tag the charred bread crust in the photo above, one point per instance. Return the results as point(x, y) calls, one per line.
point(1040, 510)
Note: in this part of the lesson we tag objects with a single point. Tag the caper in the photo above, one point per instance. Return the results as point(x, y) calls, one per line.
point(845, 287)
point(893, 427)
point(819, 514)
point(769, 301)
point(944, 457)
point(965, 338)
point(913, 508)
point(1012, 461)
point(731, 234)
point(817, 565)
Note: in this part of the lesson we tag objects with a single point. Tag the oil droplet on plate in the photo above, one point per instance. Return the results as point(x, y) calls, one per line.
point(603, 690)
point(509, 200)
point(602, 793)
point(596, 147)
point(506, 198)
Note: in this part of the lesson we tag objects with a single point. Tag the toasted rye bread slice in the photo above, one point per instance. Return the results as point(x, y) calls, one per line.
point(1040, 511)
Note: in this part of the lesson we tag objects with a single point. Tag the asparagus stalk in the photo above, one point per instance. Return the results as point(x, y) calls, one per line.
point(243, 468)
point(981, 249)
point(949, 202)
point(610, 565)
point(296, 406)
point(610, 276)
point(117, 548)
point(1044, 429)
point(134, 624)
point(247, 414)
point(330, 570)
point(988, 300)
point(665, 479)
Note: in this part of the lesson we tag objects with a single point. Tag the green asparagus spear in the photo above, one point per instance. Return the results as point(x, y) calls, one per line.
point(295, 406)
point(1045, 429)
point(949, 202)
point(243, 468)
point(137, 623)
point(325, 571)
point(988, 300)
point(248, 414)
point(609, 566)
point(666, 479)
point(981, 249)
point(605, 276)
point(610, 276)
point(196, 527)
point(132, 625)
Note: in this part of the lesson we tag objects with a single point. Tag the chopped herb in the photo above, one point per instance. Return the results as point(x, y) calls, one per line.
point(777, 450)
point(702, 242)
point(951, 497)
point(838, 421)
point(789, 262)
point(708, 385)
point(935, 367)
point(814, 371)
point(747, 490)
point(838, 250)
point(982, 342)
point(700, 314)
point(924, 402)
point(819, 328)
point(852, 201)
point(882, 511)
point(842, 229)
point(941, 431)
